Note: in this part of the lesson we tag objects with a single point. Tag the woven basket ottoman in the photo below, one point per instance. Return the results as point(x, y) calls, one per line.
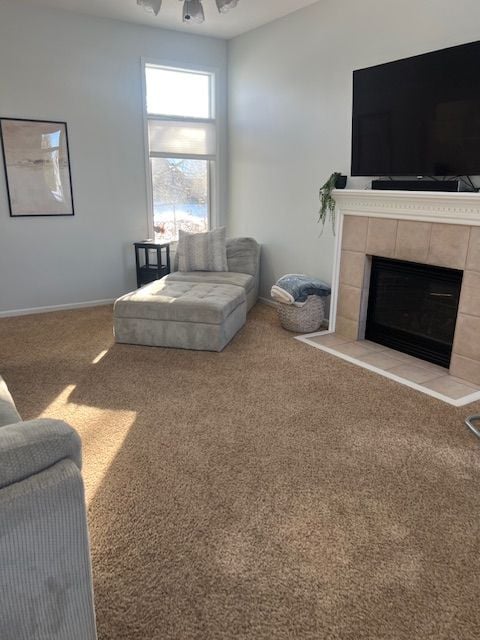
point(183, 315)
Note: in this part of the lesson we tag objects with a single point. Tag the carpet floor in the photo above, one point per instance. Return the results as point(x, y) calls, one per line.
point(271, 491)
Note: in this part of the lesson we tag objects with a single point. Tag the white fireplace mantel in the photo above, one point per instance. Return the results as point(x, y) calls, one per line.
point(423, 206)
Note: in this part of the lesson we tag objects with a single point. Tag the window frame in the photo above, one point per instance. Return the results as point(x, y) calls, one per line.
point(213, 164)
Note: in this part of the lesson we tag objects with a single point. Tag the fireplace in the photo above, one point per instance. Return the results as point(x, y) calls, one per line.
point(413, 308)
point(438, 230)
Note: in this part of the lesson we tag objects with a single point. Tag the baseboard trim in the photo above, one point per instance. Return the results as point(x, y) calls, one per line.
point(270, 303)
point(56, 307)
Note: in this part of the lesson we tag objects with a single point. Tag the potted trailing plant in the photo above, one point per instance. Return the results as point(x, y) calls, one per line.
point(327, 201)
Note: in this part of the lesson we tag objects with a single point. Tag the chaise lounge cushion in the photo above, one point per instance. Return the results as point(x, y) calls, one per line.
point(243, 255)
point(182, 315)
point(243, 280)
point(181, 302)
point(243, 258)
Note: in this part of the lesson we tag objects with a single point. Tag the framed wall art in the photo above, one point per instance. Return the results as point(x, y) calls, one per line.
point(37, 167)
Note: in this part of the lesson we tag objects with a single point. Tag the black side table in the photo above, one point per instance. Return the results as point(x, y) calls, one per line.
point(148, 269)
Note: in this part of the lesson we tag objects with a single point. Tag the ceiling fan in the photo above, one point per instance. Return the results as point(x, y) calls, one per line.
point(192, 9)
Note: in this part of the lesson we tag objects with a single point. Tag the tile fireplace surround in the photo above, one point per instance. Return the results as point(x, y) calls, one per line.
point(441, 229)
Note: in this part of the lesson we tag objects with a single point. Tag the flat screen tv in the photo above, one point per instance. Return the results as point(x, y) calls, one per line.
point(419, 116)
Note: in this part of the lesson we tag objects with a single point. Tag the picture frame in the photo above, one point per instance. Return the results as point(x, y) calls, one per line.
point(36, 162)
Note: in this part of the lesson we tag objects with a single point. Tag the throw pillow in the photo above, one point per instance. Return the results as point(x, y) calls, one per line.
point(202, 251)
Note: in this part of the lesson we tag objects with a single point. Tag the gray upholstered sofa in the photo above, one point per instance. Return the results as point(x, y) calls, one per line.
point(45, 575)
point(199, 310)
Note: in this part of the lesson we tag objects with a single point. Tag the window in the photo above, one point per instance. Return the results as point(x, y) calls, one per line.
point(181, 135)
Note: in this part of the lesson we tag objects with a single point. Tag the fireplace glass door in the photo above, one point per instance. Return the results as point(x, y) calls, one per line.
point(413, 308)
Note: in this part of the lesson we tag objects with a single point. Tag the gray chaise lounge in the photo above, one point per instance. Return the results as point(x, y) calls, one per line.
point(192, 310)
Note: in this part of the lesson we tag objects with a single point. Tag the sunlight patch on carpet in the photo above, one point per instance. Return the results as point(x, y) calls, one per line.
point(99, 446)
point(101, 355)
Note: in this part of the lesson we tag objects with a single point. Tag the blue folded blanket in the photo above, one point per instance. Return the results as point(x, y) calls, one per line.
point(294, 288)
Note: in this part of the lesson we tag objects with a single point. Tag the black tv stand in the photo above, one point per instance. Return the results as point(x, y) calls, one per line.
point(417, 185)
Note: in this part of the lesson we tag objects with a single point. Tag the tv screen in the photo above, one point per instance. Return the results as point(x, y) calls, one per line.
point(419, 116)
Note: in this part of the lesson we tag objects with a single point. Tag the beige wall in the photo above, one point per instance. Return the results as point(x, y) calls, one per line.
point(290, 112)
point(58, 65)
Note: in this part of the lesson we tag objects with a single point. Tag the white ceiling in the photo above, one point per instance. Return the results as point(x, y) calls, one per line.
point(248, 14)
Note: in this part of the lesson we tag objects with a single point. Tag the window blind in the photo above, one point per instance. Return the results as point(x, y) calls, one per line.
point(171, 138)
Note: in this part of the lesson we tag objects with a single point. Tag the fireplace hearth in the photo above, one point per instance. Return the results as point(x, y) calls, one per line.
point(413, 308)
